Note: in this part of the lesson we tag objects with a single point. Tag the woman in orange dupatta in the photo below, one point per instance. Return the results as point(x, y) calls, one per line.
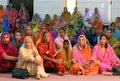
point(97, 24)
point(28, 32)
point(52, 59)
point(1, 11)
point(82, 63)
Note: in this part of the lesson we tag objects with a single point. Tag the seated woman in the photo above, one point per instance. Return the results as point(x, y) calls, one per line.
point(35, 22)
point(17, 42)
point(66, 53)
point(92, 37)
point(115, 31)
point(61, 22)
point(59, 40)
point(96, 14)
point(105, 54)
point(75, 15)
point(113, 42)
point(52, 59)
point(70, 32)
point(66, 14)
point(96, 23)
point(30, 59)
point(28, 32)
point(17, 27)
point(5, 24)
point(82, 63)
point(8, 53)
point(79, 24)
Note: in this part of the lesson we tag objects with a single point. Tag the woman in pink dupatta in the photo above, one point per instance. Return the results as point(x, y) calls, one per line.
point(8, 53)
point(59, 40)
point(96, 14)
point(82, 63)
point(105, 54)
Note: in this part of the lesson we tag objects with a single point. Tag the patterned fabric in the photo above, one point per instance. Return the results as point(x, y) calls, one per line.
point(43, 48)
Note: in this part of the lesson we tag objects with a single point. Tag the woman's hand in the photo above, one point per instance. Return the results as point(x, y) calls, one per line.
point(118, 61)
point(86, 66)
point(73, 61)
point(31, 60)
point(59, 61)
point(38, 62)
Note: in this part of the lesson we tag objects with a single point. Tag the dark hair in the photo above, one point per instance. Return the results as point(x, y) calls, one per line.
point(62, 29)
point(43, 35)
point(7, 6)
point(112, 24)
point(108, 29)
point(16, 32)
point(104, 35)
point(70, 26)
point(118, 18)
point(65, 41)
point(92, 29)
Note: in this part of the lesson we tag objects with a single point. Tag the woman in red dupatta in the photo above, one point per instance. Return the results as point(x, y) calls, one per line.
point(8, 53)
point(52, 59)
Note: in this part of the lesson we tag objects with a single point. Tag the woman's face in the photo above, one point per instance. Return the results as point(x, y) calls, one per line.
point(17, 25)
point(65, 9)
point(47, 37)
point(75, 9)
point(47, 16)
point(6, 39)
point(55, 17)
point(96, 10)
point(93, 31)
point(80, 19)
point(112, 26)
point(66, 45)
point(81, 41)
point(62, 33)
point(17, 36)
point(103, 40)
point(29, 30)
point(28, 43)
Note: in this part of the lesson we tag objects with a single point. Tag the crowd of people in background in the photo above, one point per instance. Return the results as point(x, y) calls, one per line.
point(70, 43)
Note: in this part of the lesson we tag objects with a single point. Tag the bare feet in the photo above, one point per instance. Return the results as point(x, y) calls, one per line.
point(60, 73)
point(38, 77)
point(79, 73)
point(66, 72)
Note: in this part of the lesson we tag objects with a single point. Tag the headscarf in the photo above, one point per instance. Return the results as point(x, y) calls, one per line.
point(66, 55)
point(37, 17)
point(1, 39)
point(82, 56)
point(26, 38)
point(84, 38)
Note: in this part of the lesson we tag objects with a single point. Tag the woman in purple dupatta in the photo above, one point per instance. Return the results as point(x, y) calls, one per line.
point(105, 54)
